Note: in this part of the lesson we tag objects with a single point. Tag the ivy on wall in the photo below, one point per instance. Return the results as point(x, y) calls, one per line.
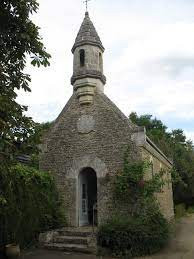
point(135, 182)
point(142, 229)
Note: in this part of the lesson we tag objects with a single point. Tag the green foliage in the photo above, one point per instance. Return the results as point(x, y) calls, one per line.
point(134, 236)
point(19, 39)
point(176, 147)
point(31, 145)
point(180, 210)
point(155, 129)
point(35, 138)
point(143, 230)
point(190, 210)
point(131, 181)
point(29, 202)
point(28, 198)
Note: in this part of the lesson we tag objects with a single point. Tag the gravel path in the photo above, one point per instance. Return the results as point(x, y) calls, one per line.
point(182, 244)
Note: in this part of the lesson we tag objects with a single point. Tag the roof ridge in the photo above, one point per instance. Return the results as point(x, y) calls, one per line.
point(115, 108)
point(56, 122)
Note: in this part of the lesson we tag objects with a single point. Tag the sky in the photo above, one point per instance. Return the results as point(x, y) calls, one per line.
point(148, 58)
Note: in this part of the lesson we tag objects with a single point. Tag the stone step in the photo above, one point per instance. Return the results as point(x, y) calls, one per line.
point(71, 240)
point(69, 247)
point(74, 233)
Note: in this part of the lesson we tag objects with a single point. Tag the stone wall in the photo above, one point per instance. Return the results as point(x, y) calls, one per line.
point(92, 60)
point(94, 135)
point(165, 197)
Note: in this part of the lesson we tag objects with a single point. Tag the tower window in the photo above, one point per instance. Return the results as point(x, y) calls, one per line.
point(100, 61)
point(82, 57)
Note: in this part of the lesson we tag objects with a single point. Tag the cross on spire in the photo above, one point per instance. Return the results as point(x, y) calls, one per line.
point(86, 2)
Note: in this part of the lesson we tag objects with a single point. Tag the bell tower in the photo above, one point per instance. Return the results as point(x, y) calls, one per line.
point(88, 51)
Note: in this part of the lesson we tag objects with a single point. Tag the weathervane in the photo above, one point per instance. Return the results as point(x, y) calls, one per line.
point(86, 1)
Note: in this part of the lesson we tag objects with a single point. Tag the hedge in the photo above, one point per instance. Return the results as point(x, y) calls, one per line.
point(29, 203)
point(134, 236)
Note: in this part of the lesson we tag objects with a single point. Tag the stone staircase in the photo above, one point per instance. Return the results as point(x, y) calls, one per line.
point(80, 240)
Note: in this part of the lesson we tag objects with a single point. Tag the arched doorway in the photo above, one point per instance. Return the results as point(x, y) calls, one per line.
point(87, 197)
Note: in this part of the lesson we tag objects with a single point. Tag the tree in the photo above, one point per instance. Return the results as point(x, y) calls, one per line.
point(175, 146)
point(31, 146)
point(156, 131)
point(19, 39)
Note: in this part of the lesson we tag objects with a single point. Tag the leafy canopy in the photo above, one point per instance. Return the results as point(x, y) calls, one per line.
point(19, 39)
point(175, 145)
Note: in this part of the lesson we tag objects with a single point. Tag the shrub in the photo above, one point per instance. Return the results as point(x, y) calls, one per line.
point(190, 210)
point(141, 229)
point(29, 202)
point(134, 236)
point(180, 210)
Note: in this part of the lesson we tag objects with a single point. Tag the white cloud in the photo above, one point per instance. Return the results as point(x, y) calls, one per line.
point(149, 83)
point(189, 135)
point(149, 57)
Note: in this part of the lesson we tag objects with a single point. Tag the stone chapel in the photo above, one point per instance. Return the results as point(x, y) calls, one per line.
point(87, 141)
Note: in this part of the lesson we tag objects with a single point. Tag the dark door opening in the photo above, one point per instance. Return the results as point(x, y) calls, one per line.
point(88, 197)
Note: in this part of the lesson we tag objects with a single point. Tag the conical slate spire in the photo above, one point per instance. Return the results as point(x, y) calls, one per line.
point(87, 34)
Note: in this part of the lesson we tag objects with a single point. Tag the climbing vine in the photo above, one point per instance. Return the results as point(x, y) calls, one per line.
point(136, 226)
point(136, 180)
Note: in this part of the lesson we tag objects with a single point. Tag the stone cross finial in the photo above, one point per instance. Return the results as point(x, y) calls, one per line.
point(86, 1)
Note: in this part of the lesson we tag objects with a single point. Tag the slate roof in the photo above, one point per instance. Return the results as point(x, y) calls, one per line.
point(87, 34)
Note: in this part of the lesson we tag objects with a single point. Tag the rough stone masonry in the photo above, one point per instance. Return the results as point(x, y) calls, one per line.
point(87, 141)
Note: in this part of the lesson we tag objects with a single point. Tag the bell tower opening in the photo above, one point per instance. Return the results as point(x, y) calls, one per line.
point(87, 197)
point(88, 77)
point(82, 57)
point(100, 62)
